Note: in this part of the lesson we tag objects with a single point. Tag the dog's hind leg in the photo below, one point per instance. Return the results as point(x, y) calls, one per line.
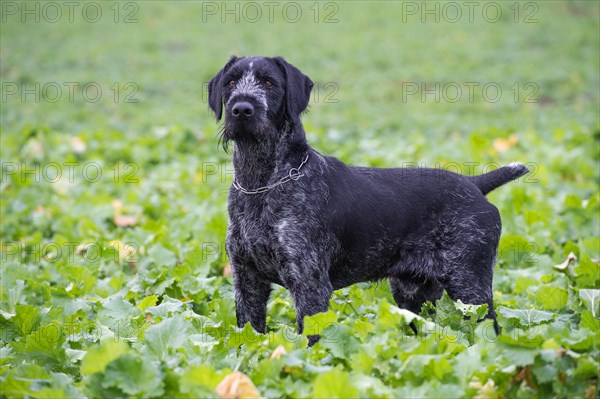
point(470, 267)
point(411, 294)
point(472, 280)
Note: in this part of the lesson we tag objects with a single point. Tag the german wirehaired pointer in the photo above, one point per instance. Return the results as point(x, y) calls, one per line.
point(312, 224)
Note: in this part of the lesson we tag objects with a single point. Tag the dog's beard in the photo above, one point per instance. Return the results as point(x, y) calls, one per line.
point(257, 132)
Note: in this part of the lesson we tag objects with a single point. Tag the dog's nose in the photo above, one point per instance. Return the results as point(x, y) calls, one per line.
point(242, 109)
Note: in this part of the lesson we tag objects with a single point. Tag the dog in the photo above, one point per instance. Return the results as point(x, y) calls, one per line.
point(313, 224)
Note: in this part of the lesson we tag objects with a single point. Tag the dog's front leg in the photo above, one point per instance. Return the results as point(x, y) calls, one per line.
point(251, 296)
point(311, 289)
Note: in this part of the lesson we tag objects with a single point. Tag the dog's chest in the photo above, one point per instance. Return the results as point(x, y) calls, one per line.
point(254, 234)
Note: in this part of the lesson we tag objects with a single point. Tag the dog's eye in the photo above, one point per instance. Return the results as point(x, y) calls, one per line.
point(268, 84)
point(232, 84)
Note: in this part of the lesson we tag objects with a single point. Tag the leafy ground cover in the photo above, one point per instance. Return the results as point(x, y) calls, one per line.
point(114, 277)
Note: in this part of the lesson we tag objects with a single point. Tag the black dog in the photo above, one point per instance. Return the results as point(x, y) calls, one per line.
point(312, 224)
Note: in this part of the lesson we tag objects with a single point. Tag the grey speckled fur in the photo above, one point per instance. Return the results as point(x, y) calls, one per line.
point(426, 230)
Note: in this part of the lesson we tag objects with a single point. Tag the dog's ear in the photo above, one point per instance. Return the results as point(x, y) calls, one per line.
point(215, 87)
point(298, 88)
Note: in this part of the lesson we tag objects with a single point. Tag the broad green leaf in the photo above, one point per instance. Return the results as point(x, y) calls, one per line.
point(551, 297)
point(587, 368)
point(169, 333)
point(526, 317)
point(26, 319)
point(134, 376)
point(116, 309)
point(168, 307)
point(334, 384)
point(519, 355)
point(97, 357)
point(340, 341)
point(161, 256)
point(44, 346)
point(430, 366)
point(313, 325)
point(32, 380)
point(580, 340)
point(201, 380)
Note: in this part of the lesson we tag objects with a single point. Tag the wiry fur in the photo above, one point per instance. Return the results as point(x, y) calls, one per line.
point(427, 230)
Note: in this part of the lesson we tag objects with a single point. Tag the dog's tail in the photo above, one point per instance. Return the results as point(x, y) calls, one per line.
point(496, 178)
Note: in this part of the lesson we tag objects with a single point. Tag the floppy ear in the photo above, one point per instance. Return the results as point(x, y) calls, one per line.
point(298, 88)
point(215, 87)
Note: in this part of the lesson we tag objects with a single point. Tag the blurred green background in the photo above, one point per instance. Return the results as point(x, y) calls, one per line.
point(386, 74)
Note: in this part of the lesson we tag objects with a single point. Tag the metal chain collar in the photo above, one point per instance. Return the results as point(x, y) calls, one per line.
point(293, 174)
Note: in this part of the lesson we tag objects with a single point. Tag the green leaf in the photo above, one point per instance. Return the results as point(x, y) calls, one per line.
point(244, 335)
point(591, 298)
point(26, 319)
point(334, 384)
point(134, 376)
point(169, 333)
point(580, 340)
point(340, 341)
point(161, 256)
point(116, 309)
point(587, 368)
point(589, 321)
point(519, 355)
point(201, 380)
point(526, 317)
point(313, 325)
point(147, 302)
point(99, 356)
point(523, 283)
point(362, 328)
point(44, 346)
point(475, 312)
point(32, 380)
point(435, 366)
point(168, 307)
point(588, 273)
point(551, 297)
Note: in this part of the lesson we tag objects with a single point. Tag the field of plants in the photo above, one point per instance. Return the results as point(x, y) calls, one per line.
point(114, 278)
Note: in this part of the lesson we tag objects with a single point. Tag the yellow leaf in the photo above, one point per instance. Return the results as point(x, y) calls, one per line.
point(124, 221)
point(280, 350)
point(590, 392)
point(237, 385)
point(502, 145)
point(567, 262)
point(126, 251)
point(78, 145)
point(485, 391)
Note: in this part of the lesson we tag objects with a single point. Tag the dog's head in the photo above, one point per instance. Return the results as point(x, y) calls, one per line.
point(260, 96)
